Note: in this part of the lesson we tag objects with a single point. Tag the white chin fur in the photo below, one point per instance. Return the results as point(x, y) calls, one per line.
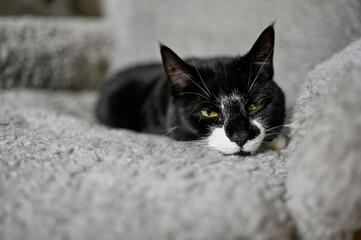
point(218, 140)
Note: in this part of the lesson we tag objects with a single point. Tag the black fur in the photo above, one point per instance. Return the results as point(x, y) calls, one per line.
point(167, 98)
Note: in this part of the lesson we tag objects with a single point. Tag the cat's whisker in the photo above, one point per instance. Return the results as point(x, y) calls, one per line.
point(262, 149)
point(197, 106)
point(268, 141)
point(201, 77)
point(259, 71)
point(271, 135)
point(199, 142)
point(250, 72)
point(170, 130)
point(200, 118)
point(272, 131)
point(190, 114)
point(280, 126)
point(193, 82)
point(198, 94)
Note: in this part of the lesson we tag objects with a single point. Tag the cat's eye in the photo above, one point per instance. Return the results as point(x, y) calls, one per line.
point(209, 113)
point(256, 106)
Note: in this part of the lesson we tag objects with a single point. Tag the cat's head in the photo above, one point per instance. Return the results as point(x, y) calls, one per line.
point(229, 104)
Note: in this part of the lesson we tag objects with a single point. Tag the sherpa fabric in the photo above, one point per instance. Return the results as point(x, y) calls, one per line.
point(67, 53)
point(64, 176)
point(324, 176)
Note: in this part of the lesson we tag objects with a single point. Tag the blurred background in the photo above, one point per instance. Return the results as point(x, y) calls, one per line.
point(75, 44)
point(50, 7)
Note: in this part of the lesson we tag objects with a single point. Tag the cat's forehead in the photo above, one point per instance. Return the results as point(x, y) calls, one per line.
point(232, 99)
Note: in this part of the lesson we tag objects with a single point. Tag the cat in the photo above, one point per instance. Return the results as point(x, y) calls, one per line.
point(230, 104)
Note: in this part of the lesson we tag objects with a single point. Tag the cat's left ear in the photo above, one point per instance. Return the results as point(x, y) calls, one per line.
point(178, 72)
point(261, 52)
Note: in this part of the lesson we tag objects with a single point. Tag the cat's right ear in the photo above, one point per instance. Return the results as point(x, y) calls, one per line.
point(178, 72)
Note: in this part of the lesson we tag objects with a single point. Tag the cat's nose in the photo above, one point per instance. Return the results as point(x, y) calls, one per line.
point(238, 131)
point(239, 137)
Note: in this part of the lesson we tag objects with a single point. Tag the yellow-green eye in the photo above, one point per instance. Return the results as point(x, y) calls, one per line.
point(256, 106)
point(209, 113)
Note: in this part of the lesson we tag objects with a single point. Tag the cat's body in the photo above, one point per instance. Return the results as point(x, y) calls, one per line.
point(230, 104)
point(137, 99)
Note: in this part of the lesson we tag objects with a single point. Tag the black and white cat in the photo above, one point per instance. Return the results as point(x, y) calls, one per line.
point(230, 104)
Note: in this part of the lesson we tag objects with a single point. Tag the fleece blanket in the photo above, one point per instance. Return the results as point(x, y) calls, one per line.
point(324, 173)
point(64, 176)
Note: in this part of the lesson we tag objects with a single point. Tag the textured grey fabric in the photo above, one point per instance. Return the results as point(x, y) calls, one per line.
point(64, 176)
point(324, 176)
point(307, 32)
point(316, 86)
point(52, 52)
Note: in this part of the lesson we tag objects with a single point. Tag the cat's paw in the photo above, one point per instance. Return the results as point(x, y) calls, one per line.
point(277, 143)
